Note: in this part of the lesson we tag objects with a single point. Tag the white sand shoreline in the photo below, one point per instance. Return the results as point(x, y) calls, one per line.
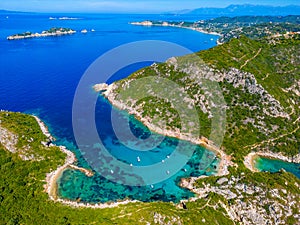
point(177, 26)
point(249, 160)
point(195, 29)
point(52, 177)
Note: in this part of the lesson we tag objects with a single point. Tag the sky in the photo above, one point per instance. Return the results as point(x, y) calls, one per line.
point(127, 5)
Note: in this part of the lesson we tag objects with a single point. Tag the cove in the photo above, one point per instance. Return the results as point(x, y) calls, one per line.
point(275, 165)
point(76, 186)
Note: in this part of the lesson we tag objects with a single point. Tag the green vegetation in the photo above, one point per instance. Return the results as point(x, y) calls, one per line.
point(254, 27)
point(259, 84)
point(276, 68)
point(30, 137)
point(23, 200)
point(27, 33)
point(259, 80)
point(57, 29)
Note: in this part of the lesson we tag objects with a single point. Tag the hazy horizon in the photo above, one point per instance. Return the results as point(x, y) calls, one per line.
point(124, 6)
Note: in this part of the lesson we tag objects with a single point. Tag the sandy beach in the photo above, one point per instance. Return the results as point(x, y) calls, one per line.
point(165, 24)
point(52, 177)
point(192, 28)
point(249, 160)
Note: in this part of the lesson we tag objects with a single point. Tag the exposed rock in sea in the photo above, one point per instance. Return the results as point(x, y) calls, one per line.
point(100, 87)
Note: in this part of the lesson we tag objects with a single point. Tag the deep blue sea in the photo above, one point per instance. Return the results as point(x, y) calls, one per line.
point(41, 75)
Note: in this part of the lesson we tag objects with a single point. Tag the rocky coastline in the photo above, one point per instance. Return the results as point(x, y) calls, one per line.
point(234, 189)
point(108, 92)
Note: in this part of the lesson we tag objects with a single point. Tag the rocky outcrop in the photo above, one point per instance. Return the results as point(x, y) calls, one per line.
point(100, 87)
point(248, 203)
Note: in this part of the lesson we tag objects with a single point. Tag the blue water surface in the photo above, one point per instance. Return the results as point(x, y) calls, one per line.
point(39, 76)
point(275, 165)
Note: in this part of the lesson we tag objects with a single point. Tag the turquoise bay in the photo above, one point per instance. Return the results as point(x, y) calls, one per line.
point(75, 185)
point(275, 165)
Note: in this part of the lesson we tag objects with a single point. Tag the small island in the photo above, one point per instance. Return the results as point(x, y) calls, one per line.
point(51, 32)
point(64, 18)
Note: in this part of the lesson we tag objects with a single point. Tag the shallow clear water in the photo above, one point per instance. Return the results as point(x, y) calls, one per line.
point(75, 185)
point(40, 76)
point(274, 165)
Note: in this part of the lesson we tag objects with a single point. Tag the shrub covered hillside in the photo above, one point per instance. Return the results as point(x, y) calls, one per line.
point(260, 82)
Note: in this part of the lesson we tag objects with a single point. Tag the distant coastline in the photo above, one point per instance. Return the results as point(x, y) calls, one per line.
point(227, 28)
point(180, 25)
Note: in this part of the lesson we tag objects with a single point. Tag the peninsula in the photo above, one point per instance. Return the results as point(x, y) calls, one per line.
point(51, 32)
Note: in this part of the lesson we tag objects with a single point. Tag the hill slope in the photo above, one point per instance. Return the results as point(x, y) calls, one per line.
point(248, 9)
point(260, 82)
